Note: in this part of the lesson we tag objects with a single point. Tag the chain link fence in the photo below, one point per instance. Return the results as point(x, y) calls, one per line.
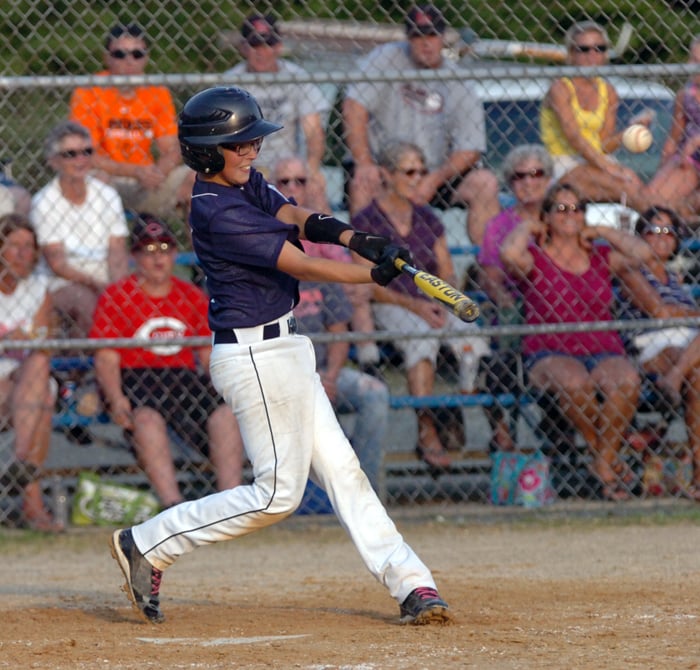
point(509, 55)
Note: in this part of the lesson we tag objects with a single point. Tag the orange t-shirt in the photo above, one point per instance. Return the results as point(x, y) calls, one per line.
point(124, 127)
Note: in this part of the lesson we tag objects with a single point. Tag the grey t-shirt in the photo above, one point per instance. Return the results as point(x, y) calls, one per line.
point(285, 104)
point(441, 117)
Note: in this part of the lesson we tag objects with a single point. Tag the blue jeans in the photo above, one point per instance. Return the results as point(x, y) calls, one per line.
point(368, 397)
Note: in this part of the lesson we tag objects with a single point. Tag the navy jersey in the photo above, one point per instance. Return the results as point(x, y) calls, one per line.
point(238, 240)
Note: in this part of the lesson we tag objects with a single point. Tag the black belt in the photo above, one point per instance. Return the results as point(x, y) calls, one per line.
point(270, 332)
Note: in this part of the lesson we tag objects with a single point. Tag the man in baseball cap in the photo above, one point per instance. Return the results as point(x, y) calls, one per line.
point(258, 29)
point(425, 20)
point(150, 230)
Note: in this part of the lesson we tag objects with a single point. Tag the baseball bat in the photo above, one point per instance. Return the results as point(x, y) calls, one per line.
point(438, 289)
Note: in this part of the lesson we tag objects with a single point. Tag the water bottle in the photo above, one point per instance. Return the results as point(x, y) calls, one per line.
point(468, 368)
point(68, 398)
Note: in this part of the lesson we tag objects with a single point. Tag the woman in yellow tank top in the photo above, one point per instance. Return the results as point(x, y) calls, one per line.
point(577, 123)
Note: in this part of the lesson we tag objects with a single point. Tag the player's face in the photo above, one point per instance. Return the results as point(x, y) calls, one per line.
point(426, 50)
point(126, 55)
point(237, 163)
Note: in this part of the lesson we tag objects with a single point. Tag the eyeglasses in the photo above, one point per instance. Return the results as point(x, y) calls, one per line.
point(121, 54)
point(535, 173)
point(156, 248)
point(297, 181)
point(74, 153)
point(412, 172)
point(244, 148)
point(586, 48)
point(659, 230)
point(561, 207)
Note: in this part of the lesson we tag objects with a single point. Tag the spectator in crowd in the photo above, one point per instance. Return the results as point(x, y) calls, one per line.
point(291, 177)
point(300, 108)
point(402, 307)
point(148, 390)
point(13, 197)
point(445, 118)
point(578, 124)
point(672, 355)
point(325, 307)
point(27, 397)
point(564, 277)
point(134, 130)
point(527, 169)
point(677, 180)
point(81, 227)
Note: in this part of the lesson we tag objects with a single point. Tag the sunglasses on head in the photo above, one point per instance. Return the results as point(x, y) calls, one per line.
point(586, 48)
point(121, 54)
point(561, 207)
point(412, 172)
point(74, 153)
point(535, 173)
point(297, 181)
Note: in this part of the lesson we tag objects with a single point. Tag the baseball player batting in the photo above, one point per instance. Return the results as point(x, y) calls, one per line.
point(246, 236)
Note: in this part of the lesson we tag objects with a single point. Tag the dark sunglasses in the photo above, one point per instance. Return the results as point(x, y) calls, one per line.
point(561, 207)
point(258, 40)
point(535, 173)
point(585, 48)
point(297, 181)
point(412, 172)
point(121, 54)
point(244, 148)
point(74, 153)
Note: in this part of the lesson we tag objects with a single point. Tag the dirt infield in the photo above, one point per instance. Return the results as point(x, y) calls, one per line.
point(593, 593)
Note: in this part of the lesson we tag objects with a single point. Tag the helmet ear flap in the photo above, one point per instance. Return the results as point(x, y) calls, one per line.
point(207, 160)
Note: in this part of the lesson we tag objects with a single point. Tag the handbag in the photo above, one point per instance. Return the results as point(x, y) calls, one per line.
point(103, 503)
point(520, 479)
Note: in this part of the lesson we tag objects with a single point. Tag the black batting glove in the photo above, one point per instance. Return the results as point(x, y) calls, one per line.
point(369, 246)
point(385, 270)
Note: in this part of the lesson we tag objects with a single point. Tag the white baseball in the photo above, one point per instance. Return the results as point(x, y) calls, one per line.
point(637, 138)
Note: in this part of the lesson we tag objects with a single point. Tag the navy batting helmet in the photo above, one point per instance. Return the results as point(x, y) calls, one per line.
point(220, 115)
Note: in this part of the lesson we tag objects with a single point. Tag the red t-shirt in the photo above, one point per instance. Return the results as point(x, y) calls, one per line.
point(124, 310)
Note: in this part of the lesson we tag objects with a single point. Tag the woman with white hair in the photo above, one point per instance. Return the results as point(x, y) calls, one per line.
point(81, 227)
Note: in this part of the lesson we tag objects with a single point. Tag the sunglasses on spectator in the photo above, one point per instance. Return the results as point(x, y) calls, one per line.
point(587, 48)
point(244, 148)
point(121, 54)
point(270, 39)
point(74, 153)
point(561, 207)
point(297, 181)
point(412, 172)
point(659, 230)
point(535, 173)
point(156, 248)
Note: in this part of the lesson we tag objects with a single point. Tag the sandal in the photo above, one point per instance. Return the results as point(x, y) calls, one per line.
point(692, 492)
point(608, 476)
point(43, 522)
